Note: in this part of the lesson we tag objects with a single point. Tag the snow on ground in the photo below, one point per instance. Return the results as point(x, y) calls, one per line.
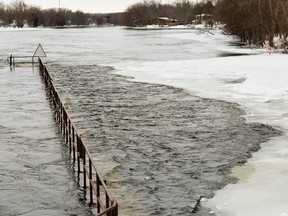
point(259, 84)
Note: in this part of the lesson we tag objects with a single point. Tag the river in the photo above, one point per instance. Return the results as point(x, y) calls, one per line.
point(146, 135)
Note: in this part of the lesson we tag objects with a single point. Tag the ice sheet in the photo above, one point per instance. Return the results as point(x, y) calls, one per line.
point(259, 84)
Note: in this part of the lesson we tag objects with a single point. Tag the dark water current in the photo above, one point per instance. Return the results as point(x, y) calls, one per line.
point(159, 147)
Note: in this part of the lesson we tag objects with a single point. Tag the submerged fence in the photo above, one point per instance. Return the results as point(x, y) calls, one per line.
point(79, 153)
point(12, 60)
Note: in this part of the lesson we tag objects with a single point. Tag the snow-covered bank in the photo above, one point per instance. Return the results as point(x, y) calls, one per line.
point(259, 84)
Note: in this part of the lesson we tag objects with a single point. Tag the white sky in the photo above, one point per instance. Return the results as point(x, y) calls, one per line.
point(91, 6)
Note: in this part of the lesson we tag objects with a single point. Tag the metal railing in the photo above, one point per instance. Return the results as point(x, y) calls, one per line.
point(12, 60)
point(79, 153)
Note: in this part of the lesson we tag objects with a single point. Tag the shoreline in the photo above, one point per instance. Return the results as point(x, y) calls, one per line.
point(162, 141)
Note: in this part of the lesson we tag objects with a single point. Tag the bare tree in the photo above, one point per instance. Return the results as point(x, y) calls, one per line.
point(141, 14)
point(254, 21)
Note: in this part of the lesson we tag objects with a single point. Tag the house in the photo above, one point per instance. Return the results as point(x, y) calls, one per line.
point(14, 24)
point(25, 24)
point(165, 21)
point(205, 19)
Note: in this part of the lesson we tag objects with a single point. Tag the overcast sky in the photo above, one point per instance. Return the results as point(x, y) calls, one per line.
point(91, 6)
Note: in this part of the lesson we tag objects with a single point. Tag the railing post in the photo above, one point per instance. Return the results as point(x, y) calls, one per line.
point(66, 132)
point(58, 108)
point(60, 116)
point(69, 136)
point(64, 123)
point(73, 141)
point(90, 180)
point(98, 193)
point(116, 210)
point(78, 158)
point(10, 61)
point(84, 164)
point(107, 203)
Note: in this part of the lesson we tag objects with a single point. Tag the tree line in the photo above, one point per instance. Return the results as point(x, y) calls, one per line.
point(254, 21)
point(147, 12)
point(35, 16)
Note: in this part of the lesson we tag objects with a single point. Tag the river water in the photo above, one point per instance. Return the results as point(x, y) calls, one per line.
point(159, 147)
point(35, 175)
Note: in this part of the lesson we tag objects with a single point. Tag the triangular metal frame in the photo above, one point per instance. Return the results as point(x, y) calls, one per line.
point(39, 52)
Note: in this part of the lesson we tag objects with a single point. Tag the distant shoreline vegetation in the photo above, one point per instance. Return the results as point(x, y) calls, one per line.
point(19, 14)
point(254, 21)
